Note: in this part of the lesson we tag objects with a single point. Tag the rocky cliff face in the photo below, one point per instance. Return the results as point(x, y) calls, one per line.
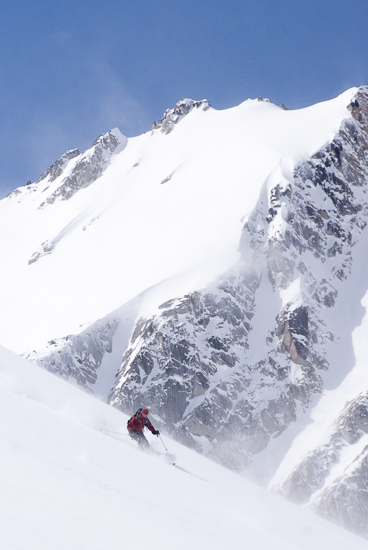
point(332, 476)
point(77, 357)
point(231, 368)
point(195, 362)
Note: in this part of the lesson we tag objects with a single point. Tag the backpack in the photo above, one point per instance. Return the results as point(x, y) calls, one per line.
point(137, 415)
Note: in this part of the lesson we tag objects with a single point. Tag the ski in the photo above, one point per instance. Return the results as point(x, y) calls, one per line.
point(190, 473)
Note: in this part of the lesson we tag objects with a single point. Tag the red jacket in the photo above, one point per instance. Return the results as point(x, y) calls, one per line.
point(137, 423)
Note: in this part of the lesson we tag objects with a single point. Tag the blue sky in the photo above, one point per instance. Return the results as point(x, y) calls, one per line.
point(72, 70)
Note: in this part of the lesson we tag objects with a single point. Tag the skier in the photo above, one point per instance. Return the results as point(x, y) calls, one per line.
point(135, 427)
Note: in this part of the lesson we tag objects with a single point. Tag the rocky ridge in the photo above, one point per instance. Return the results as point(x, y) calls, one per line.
point(58, 167)
point(173, 116)
point(87, 168)
point(76, 170)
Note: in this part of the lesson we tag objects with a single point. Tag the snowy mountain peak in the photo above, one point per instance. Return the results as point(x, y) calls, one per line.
point(217, 276)
point(175, 115)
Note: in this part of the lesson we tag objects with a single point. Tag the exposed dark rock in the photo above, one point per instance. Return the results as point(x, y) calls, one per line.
point(58, 167)
point(174, 116)
point(89, 167)
point(78, 356)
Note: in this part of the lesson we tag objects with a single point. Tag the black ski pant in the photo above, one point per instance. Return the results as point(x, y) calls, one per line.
point(140, 439)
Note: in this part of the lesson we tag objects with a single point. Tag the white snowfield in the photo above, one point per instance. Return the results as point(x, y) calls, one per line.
point(66, 485)
point(165, 218)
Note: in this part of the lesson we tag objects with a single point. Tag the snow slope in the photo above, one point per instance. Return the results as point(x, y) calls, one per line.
point(65, 485)
point(163, 219)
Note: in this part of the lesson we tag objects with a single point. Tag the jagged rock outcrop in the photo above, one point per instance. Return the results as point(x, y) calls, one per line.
point(173, 116)
point(80, 169)
point(51, 174)
point(58, 167)
point(46, 248)
point(78, 356)
point(88, 167)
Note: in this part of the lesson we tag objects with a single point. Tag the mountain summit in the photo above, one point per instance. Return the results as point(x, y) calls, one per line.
point(214, 269)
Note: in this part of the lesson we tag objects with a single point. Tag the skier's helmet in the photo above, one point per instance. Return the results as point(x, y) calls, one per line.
point(144, 411)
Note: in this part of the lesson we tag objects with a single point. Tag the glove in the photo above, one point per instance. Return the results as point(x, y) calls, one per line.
point(156, 432)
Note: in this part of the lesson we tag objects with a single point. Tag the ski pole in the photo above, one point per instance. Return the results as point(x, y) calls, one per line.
point(109, 432)
point(162, 441)
point(169, 456)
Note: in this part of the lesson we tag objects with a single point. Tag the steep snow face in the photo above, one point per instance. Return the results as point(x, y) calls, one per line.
point(67, 483)
point(162, 211)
